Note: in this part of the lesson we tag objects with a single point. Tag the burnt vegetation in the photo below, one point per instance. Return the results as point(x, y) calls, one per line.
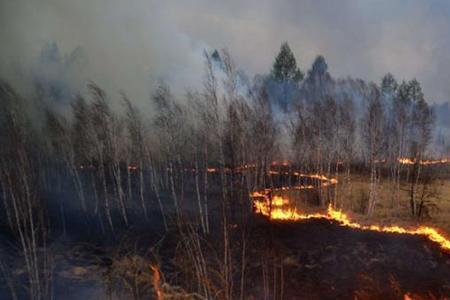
point(146, 205)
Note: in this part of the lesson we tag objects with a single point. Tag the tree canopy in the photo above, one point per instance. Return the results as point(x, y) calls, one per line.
point(285, 66)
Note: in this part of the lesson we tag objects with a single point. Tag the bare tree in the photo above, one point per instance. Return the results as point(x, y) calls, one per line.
point(19, 175)
point(170, 121)
point(374, 140)
point(105, 131)
point(346, 125)
point(401, 125)
point(422, 122)
point(136, 152)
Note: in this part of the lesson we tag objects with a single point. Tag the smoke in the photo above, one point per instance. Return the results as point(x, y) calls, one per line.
point(120, 46)
point(131, 45)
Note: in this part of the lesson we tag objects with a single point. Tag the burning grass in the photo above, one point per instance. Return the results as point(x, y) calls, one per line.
point(278, 208)
point(409, 161)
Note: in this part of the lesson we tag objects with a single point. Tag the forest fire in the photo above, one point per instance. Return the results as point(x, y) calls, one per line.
point(175, 173)
point(278, 208)
point(409, 161)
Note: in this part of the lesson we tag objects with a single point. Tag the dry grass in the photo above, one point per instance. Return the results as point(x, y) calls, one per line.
point(396, 210)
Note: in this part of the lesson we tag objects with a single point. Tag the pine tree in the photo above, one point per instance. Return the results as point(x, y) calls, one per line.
point(319, 67)
point(415, 91)
point(318, 83)
point(285, 66)
point(388, 84)
point(403, 93)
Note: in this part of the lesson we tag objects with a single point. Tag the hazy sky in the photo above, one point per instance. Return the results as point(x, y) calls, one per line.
point(130, 44)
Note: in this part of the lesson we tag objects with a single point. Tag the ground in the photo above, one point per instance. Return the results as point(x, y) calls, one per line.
point(322, 260)
point(313, 259)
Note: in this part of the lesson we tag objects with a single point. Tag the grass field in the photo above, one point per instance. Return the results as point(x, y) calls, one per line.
point(391, 209)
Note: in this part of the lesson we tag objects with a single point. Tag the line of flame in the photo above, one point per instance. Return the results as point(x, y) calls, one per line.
point(409, 161)
point(279, 210)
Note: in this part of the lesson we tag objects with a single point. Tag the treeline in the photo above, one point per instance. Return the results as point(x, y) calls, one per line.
point(337, 124)
point(116, 166)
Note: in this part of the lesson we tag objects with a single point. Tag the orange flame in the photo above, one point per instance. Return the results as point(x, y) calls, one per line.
point(156, 282)
point(407, 296)
point(324, 182)
point(409, 161)
point(211, 170)
point(279, 208)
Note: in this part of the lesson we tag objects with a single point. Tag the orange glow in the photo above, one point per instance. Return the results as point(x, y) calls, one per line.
point(409, 161)
point(280, 209)
point(280, 163)
point(156, 282)
point(323, 182)
point(407, 297)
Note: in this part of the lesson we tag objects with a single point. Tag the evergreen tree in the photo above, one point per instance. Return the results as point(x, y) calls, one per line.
point(319, 67)
point(403, 93)
point(285, 66)
point(415, 91)
point(318, 83)
point(388, 84)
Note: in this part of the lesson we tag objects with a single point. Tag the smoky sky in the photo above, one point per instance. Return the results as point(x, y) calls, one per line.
point(130, 45)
